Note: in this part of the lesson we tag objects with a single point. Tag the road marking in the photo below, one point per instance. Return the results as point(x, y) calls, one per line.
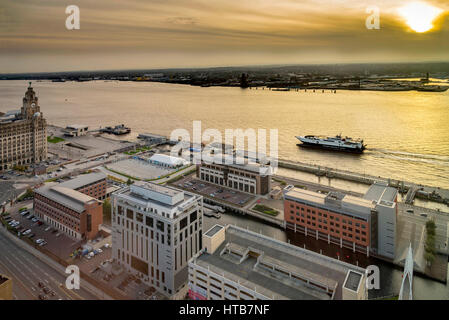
point(15, 277)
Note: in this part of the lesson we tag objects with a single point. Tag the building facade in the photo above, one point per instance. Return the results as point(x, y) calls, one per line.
point(23, 134)
point(237, 264)
point(365, 225)
point(76, 130)
point(250, 178)
point(76, 214)
point(155, 231)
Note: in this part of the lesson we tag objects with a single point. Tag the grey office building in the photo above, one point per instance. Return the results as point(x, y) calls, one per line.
point(155, 231)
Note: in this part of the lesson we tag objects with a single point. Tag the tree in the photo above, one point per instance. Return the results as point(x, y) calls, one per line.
point(430, 227)
point(129, 182)
point(429, 247)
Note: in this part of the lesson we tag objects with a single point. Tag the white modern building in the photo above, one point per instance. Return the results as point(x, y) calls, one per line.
point(155, 231)
point(166, 161)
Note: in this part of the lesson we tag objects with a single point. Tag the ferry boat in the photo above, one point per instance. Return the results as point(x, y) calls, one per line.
point(337, 143)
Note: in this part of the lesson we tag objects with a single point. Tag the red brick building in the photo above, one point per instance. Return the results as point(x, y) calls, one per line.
point(365, 224)
point(337, 218)
point(74, 213)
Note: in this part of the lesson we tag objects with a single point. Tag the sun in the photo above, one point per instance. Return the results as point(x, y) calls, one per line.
point(419, 15)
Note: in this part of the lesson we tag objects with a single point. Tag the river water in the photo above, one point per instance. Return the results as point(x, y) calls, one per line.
point(407, 132)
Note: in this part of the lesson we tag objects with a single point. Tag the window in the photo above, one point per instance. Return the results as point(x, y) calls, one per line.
point(149, 222)
point(183, 223)
point(160, 226)
point(193, 216)
point(129, 214)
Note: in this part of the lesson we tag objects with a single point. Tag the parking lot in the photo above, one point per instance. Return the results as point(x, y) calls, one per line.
point(56, 242)
point(139, 169)
point(190, 183)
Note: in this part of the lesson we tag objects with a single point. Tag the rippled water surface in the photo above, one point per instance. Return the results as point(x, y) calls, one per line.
point(407, 132)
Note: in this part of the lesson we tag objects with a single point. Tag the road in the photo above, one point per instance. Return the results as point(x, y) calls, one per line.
point(27, 271)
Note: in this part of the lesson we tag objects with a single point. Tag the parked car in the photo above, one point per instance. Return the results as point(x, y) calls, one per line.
point(28, 231)
point(47, 229)
point(423, 215)
point(30, 217)
point(39, 223)
point(409, 211)
point(35, 219)
point(42, 297)
point(39, 241)
point(31, 235)
point(42, 243)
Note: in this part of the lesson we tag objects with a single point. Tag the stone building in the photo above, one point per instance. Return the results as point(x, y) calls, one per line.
point(23, 134)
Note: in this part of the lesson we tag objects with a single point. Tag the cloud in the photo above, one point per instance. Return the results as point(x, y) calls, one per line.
point(139, 32)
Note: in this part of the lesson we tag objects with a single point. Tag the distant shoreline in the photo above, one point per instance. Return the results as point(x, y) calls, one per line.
point(395, 86)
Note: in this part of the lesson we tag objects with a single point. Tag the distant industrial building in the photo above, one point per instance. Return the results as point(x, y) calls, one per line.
point(365, 224)
point(151, 138)
point(74, 213)
point(155, 231)
point(237, 264)
point(23, 134)
point(165, 161)
point(76, 130)
point(236, 173)
point(5, 287)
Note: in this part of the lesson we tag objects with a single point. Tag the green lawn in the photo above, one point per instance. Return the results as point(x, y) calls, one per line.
point(141, 149)
point(264, 209)
point(55, 139)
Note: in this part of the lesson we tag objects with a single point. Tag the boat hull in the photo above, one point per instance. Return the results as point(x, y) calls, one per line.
point(330, 148)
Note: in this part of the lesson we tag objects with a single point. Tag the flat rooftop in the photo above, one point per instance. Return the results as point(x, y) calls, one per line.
point(76, 126)
point(288, 258)
point(145, 192)
point(67, 197)
point(157, 188)
point(212, 231)
point(83, 180)
point(334, 201)
point(239, 163)
point(381, 192)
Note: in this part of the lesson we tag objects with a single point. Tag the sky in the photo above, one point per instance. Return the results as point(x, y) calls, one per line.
point(138, 34)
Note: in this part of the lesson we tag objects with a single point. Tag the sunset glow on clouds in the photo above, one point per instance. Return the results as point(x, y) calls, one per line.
point(191, 33)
